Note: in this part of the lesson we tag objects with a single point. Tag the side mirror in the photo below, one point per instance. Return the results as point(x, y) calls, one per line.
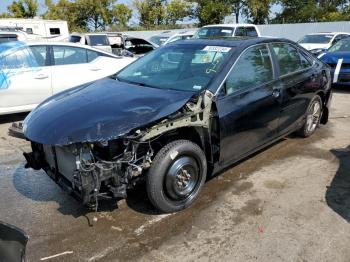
point(13, 243)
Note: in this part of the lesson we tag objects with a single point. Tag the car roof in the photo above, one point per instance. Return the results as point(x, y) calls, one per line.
point(231, 41)
point(10, 45)
point(329, 33)
point(228, 25)
point(184, 33)
point(70, 44)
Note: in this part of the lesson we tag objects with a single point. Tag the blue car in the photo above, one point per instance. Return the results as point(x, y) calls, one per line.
point(338, 58)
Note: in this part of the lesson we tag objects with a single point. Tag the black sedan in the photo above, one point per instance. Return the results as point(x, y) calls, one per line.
point(176, 116)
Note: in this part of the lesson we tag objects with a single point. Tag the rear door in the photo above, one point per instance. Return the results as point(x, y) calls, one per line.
point(248, 109)
point(25, 79)
point(299, 80)
point(71, 67)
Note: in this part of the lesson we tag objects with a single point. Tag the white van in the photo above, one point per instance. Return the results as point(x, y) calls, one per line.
point(53, 30)
point(228, 30)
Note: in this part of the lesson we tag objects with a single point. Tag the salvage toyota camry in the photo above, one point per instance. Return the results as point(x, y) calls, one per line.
point(182, 112)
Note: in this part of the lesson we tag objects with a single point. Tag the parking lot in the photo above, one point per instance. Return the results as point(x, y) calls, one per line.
point(289, 202)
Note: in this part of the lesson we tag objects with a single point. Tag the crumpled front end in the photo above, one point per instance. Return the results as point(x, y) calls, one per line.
point(98, 169)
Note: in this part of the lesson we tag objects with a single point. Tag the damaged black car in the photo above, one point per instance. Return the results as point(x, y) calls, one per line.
point(176, 116)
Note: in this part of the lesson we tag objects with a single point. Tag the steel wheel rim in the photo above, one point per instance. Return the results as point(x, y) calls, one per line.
point(313, 117)
point(182, 178)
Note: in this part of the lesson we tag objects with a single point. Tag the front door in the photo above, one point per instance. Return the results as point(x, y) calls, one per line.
point(25, 79)
point(249, 108)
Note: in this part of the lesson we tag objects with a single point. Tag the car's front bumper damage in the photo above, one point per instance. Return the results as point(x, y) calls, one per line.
point(94, 170)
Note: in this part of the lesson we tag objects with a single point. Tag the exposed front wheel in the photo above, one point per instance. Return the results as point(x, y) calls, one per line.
point(176, 176)
point(313, 117)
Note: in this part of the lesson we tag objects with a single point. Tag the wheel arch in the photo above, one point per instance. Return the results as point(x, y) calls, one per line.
point(197, 135)
point(325, 110)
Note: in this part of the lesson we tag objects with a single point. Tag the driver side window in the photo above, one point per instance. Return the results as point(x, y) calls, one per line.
point(252, 69)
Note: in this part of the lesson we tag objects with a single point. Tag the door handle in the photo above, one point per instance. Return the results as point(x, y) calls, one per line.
point(95, 69)
point(276, 93)
point(41, 76)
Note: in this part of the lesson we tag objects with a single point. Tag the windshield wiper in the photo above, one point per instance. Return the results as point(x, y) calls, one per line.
point(135, 83)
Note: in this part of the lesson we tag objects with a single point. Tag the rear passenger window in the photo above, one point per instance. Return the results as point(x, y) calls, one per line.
point(92, 55)
point(240, 31)
point(289, 58)
point(252, 69)
point(67, 55)
point(251, 31)
point(39, 54)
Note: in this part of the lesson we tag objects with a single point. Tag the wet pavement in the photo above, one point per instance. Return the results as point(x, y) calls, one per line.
point(289, 202)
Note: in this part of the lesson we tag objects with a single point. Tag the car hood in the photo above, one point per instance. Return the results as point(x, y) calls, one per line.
point(333, 57)
point(100, 111)
point(315, 46)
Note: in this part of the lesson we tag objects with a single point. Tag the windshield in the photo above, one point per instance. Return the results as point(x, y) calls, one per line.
point(209, 32)
point(341, 46)
point(98, 40)
point(159, 40)
point(179, 67)
point(316, 39)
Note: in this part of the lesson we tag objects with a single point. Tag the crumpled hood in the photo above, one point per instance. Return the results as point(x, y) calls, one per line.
point(333, 57)
point(100, 111)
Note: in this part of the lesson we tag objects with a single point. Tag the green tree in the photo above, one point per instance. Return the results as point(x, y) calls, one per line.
point(121, 14)
point(23, 8)
point(151, 12)
point(97, 14)
point(65, 10)
point(211, 11)
point(177, 10)
point(303, 11)
point(258, 11)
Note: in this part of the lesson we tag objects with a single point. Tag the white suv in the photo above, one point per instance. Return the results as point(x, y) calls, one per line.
point(318, 42)
point(228, 30)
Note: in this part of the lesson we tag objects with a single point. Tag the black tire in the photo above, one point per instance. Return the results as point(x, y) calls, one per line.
point(176, 176)
point(312, 119)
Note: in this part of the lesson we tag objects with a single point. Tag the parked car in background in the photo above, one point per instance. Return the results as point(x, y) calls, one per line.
point(114, 42)
point(117, 42)
point(338, 58)
point(29, 73)
point(18, 34)
point(228, 30)
point(180, 36)
point(96, 40)
point(185, 108)
point(319, 42)
point(138, 46)
point(160, 39)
